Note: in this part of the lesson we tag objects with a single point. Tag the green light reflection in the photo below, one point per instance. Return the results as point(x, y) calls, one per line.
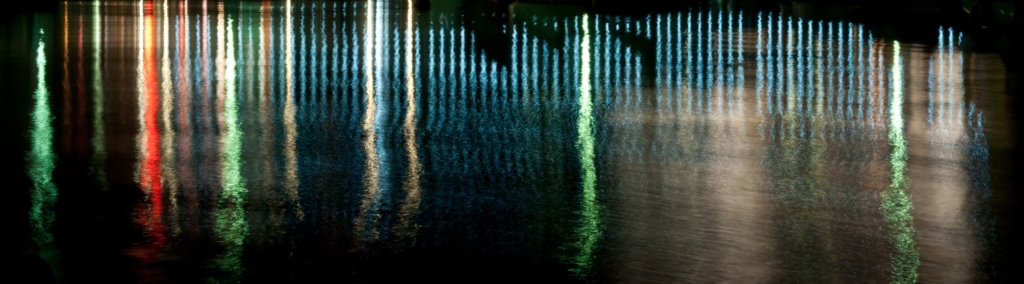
point(41, 159)
point(232, 227)
point(589, 230)
point(896, 202)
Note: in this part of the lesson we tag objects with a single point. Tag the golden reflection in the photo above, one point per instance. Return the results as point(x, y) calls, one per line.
point(291, 177)
point(372, 177)
point(406, 227)
point(167, 167)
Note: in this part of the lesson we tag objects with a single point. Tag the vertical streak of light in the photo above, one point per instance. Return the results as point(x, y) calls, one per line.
point(771, 64)
point(819, 87)
point(589, 230)
point(790, 77)
point(861, 74)
point(881, 78)
point(803, 75)
point(167, 173)
point(699, 64)
point(873, 83)
point(949, 83)
point(291, 179)
point(801, 67)
point(184, 107)
point(203, 35)
point(543, 64)
point(334, 55)
point(369, 130)
point(98, 143)
point(960, 79)
point(831, 73)
point(323, 57)
point(850, 94)
point(432, 66)
point(677, 85)
point(149, 169)
point(80, 107)
point(659, 74)
point(840, 86)
point(66, 83)
point(313, 98)
point(689, 65)
point(931, 82)
point(231, 224)
point(777, 71)
point(219, 65)
point(719, 66)
point(441, 101)
point(896, 202)
point(760, 67)
point(267, 124)
point(598, 59)
point(534, 92)
point(730, 75)
point(738, 84)
point(41, 159)
point(708, 66)
point(412, 182)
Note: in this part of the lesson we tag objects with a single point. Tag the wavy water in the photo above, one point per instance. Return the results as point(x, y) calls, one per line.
point(259, 141)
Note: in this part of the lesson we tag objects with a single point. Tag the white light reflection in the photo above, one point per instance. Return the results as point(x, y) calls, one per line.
point(407, 226)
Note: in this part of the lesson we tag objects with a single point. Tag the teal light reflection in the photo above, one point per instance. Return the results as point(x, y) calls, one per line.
point(896, 202)
point(41, 159)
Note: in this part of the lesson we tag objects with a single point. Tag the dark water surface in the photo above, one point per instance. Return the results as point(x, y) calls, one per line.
point(262, 141)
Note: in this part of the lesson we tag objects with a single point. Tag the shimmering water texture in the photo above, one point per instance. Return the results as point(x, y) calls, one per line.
point(306, 138)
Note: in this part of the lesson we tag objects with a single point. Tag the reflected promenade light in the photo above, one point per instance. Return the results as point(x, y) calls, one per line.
point(41, 159)
point(896, 202)
point(589, 231)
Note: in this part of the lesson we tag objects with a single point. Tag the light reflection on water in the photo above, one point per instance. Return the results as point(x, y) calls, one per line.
point(595, 146)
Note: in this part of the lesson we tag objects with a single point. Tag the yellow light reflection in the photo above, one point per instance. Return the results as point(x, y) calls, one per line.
point(291, 177)
point(167, 107)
